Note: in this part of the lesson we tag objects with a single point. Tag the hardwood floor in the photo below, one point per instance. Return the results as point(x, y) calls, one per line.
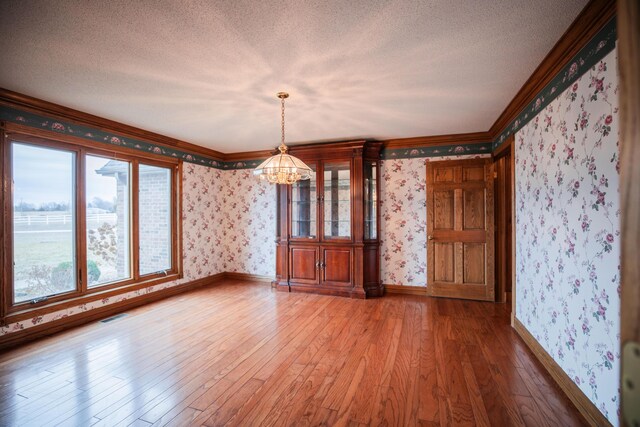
point(242, 354)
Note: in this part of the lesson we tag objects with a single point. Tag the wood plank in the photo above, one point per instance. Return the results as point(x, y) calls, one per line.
point(242, 354)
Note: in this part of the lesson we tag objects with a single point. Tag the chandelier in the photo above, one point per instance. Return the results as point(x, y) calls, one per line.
point(283, 168)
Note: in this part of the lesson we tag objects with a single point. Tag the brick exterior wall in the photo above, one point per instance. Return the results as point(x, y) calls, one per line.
point(122, 224)
point(155, 216)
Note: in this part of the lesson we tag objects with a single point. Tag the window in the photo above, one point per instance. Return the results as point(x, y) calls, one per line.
point(155, 214)
point(85, 221)
point(107, 220)
point(44, 226)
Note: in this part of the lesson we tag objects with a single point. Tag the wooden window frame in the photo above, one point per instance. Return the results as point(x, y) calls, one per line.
point(11, 312)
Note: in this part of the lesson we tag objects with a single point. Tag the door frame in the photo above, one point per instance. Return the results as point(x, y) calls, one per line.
point(507, 148)
point(629, 93)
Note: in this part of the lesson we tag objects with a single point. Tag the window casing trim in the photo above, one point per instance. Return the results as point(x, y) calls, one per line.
point(12, 312)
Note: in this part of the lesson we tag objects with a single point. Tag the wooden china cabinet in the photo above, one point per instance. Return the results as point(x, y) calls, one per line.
point(328, 227)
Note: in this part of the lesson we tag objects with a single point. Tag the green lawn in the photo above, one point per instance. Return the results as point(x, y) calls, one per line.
point(47, 245)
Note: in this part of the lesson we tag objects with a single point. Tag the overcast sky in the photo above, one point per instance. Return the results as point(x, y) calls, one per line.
point(43, 175)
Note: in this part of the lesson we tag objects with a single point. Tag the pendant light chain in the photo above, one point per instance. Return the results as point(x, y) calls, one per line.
point(282, 102)
point(283, 168)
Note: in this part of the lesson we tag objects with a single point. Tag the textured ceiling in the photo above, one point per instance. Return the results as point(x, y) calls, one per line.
point(207, 72)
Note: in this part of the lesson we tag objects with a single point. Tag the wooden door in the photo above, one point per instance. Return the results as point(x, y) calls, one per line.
point(460, 228)
point(336, 266)
point(304, 264)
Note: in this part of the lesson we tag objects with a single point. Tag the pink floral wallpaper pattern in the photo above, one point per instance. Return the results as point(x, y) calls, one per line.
point(249, 227)
point(568, 228)
point(403, 219)
point(220, 224)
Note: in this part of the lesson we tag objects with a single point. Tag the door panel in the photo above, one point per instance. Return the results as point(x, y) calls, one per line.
point(473, 262)
point(443, 174)
point(443, 206)
point(472, 173)
point(445, 262)
point(473, 215)
point(336, 266)
point(304, 268)
point(460, 259)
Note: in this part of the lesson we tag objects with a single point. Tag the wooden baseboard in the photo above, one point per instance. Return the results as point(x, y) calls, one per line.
point(406, 290)
point(588, 410)
point(251, 277)
point(15, 339)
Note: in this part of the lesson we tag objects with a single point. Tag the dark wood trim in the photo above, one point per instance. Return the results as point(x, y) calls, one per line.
point(248, 155)
point(586, 25)
point(405, 290)
point(436, 140)
point(81, 216)
point(324, 151)
point(4, 187)
point(513, 232)
point(94, 295)
point(232, 275)
point(40, 106)
point(504, 218)
point(15, 339)
point(177, 222)
point(589, 411)
point(629, 69)
point(116, 152)
point(135, 217)
point(504, 148)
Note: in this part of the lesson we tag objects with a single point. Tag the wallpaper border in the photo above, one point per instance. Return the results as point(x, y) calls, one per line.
point(39, 121)
point(437, 151)
point(596, 49)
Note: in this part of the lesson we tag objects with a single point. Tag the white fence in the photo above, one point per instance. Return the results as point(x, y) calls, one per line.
point(62, 219)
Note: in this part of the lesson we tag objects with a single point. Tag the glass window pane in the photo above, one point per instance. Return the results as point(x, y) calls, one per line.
point(370, 199)
point(337, 200)
point(107, 183)
point(44, 249)
point(304, 200)
point(155, 218)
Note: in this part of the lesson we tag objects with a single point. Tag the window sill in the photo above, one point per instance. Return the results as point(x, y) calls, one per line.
point(22, 313)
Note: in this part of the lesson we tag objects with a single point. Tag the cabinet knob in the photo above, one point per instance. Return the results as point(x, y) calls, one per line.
point(430, 237)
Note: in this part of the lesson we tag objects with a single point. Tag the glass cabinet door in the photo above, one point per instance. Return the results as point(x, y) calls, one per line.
point(370, 200)
point(304, 202)
point(337, 200)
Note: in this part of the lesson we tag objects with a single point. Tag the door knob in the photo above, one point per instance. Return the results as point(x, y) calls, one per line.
point(430, 237)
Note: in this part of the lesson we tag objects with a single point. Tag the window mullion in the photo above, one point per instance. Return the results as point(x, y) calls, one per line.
point(81, 222)
point(135, 221)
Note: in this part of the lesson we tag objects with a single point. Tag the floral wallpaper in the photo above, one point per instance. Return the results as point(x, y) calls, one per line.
point(202, 223)
point(568, 228)
point(249, 224)
point(403, 219)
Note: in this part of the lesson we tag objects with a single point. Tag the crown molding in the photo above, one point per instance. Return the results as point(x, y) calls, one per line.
point(437, 140)
point(39, 106)
point(587, 24)
point(249, 155)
